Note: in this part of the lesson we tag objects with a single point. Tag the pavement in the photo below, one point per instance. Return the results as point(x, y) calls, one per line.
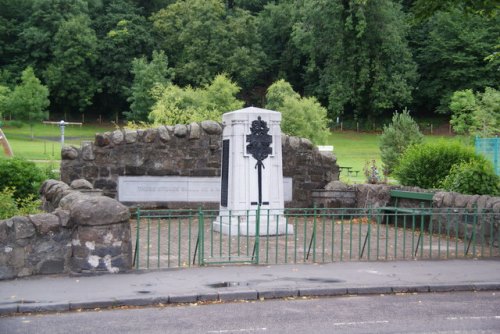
point(235, 283)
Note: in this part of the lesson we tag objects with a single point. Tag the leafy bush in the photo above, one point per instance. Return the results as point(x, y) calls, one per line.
point(474, 178)
point(21, 175)
point(476, 114)
point(301, 116)
point(397, 136)
point(10, 207)
point(427, 165)
point(176, 105)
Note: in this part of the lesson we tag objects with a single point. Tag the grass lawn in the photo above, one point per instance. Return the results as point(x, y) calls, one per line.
point(353, 149)
point(46, 145)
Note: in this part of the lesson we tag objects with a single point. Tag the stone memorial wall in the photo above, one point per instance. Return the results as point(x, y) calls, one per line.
point(192, 151)
point(81, 232)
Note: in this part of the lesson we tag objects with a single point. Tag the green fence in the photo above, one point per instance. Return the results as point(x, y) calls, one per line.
point(181, 238)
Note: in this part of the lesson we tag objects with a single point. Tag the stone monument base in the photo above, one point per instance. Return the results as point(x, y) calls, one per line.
point(243, 225)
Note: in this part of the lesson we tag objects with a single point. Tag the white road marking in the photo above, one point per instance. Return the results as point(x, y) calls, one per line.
point(241, 330)
point(474, 318)
point(360, 323)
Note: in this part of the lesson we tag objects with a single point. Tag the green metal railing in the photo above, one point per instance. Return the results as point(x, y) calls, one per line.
point(185, 238)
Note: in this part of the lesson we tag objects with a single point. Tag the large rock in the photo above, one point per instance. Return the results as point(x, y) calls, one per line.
point(211, 127)
point(98, 210)
point(45, 222)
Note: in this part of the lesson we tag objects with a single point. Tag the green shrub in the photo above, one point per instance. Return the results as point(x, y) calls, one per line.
point(21, 175)
point(397, 136)
point(427, 165)
point(473, 178)
point(10, 207)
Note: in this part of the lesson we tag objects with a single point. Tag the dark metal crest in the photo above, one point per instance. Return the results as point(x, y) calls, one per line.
point(259, 142)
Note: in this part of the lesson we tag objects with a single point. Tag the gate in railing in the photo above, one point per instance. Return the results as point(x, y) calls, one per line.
point(183, 238)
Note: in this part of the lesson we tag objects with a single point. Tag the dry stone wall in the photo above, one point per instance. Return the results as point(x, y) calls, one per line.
point(452, 212)
point(184, 150)
point(82, 231)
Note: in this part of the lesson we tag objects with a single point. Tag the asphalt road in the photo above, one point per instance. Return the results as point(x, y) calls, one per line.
point(466, 312)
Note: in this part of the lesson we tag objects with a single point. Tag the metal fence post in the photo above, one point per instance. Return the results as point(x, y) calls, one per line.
point(136, 253)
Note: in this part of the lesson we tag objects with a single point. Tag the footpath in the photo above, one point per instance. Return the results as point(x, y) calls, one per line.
point(234, 283)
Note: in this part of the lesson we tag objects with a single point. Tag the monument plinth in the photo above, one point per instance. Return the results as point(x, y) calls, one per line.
point(252, 174)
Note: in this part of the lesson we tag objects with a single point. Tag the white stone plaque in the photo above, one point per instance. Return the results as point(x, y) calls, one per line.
point(176, 189)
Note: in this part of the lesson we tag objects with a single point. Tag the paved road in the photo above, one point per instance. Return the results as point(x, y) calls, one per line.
point(460, 312)
point(64, 293)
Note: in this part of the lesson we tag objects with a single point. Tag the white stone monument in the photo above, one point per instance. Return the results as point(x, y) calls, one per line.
point(252, 174)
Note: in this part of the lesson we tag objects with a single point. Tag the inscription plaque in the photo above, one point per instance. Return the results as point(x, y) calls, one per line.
point(224, 173)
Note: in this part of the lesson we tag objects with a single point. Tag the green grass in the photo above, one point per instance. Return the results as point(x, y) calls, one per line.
point(46, 145)
point(353, 149)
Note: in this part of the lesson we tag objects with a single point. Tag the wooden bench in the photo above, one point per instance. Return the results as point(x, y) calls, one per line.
point(424, 198)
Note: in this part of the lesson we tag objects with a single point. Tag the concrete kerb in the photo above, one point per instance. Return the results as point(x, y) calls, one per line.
point(242, 295)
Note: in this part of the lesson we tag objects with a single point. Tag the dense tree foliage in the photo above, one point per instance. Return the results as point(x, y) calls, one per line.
point(29, 100)
point(147, 75)
point(451, 49)
point(301, 116)
point(476, 114)
point(357, 55)
point(176, 105)
point(359, 59)
point(397, 137)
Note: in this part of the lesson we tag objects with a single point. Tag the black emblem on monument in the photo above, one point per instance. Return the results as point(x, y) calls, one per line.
point(224, 172)
point(259, 142)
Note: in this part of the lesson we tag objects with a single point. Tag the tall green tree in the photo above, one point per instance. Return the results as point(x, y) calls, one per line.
point(124, 33)
point(463, 105)
point(70, 74)
point(301, 116)
point(29, 100)
point(283, 57)
point(175, 105)
point(147, 75)
point(397, 137)
point(358, 58)
point(44, 22)
point(451, 50)
point(204, 38)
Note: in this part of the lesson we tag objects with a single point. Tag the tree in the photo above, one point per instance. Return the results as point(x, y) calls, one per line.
point(70, 74)
point(463, 105)
point(451, 50)
point(44, 22)
point(175, 105)
point(476, 114)
point(358, 58)
point(147, 75)
point(204, 38)
point(303, 117)
point(284, 59)
point(4, 98)
point(124, 33)
point(396, 137)
point(487, 114)
point(29, 100)
point(426, 8)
